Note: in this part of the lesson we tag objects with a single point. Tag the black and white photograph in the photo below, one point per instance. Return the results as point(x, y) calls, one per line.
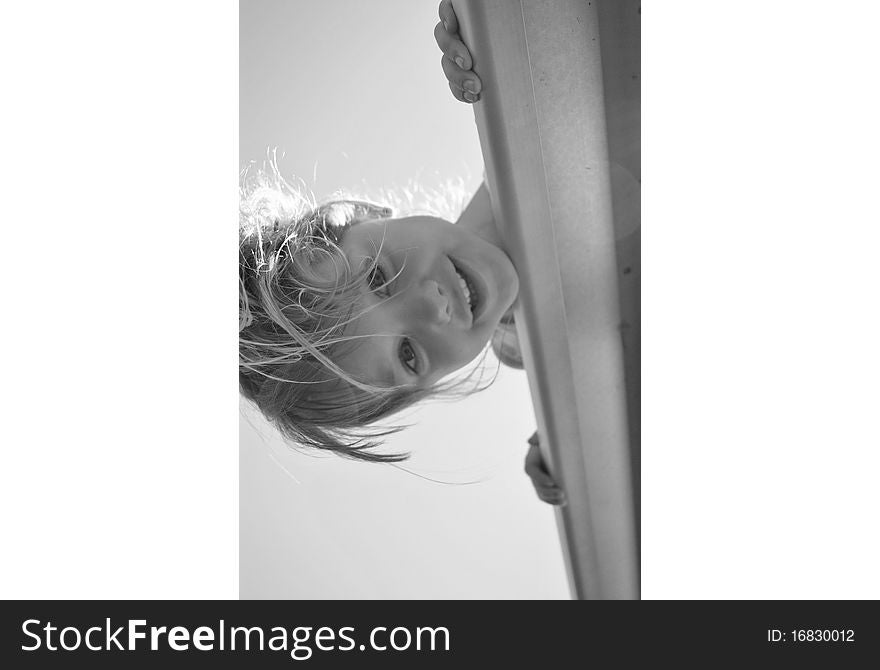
point(439, 316)
point(459, 386)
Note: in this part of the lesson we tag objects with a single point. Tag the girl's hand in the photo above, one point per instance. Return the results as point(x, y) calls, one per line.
point(457, 62)
point(546, 488)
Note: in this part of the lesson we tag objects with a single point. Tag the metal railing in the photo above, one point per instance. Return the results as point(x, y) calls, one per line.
point(548, 155)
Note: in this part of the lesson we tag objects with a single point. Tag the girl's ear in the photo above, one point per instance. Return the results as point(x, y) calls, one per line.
point(505, 342)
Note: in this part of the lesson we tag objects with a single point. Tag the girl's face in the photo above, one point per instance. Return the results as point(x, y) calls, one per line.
point(436, 297)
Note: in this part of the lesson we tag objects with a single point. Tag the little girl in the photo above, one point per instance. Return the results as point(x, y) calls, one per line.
point(349, 314)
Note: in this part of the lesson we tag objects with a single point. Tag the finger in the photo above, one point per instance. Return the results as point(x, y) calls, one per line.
point(551, 496)
point(541, 479)
point(467, 81)
point(447, 16)
point(548, 491)
point(551, 490)
point(442, 37)
point(536, 471)
point(457, 92)
point(453, 48)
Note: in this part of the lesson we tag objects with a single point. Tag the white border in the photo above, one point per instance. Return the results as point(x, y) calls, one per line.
point(120, 404)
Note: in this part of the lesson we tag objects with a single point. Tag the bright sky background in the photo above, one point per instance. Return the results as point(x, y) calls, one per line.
point(352, 95)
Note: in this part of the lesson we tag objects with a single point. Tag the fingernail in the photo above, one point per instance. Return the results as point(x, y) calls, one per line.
point(471, 86)
point(460, 62)
point(471, 97)
point(446, 25)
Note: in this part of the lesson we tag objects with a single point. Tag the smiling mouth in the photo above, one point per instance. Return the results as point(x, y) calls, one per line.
point(468, 288)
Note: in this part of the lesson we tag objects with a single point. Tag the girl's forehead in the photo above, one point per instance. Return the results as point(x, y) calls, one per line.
point(403, 229)
point(364, 238)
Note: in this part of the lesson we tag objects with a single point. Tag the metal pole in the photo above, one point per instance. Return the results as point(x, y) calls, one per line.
point(542, 126)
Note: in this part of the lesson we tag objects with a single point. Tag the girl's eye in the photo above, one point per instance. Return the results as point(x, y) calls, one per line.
point(377, 280)
point(407, 356)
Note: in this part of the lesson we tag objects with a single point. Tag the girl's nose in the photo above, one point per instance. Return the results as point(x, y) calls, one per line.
point(433, 302)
